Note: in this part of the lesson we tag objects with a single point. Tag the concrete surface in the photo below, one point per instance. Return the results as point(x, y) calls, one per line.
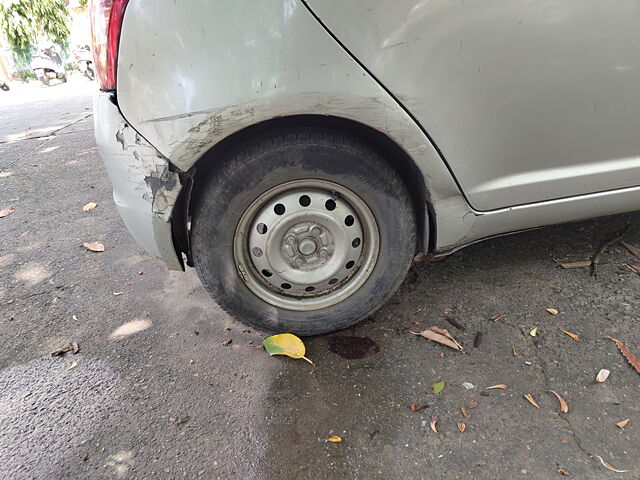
point(153, 393)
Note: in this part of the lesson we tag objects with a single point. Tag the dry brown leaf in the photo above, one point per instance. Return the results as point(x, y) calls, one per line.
point(227, 342)
point(416, 408)
point(74, 347)
point(73, 365)
point(609, 466)
point(564, 408)
point(623, 423)
point(564, 472)
point(94, 246)
point(602, 375)
point(89, 206)
point(500, 386)
point(515, 352)
point(472, 404)
point(461, 427)
point(585, 263)
point(572, 335)
point(552, 311)
point(5, 212)
point(74, 317)
point(440, 335)
point(495, 318)
point(564, 441)
point(390, 330)
point(632, 248)
point(432, 424)
point(631, 358)
point(333, 439)
point(440, 355)
point(530, 399)
point(464, 412)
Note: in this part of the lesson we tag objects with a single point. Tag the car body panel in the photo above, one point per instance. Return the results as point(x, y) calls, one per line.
point(527, 100)
point(144, 188)
point(189, 78)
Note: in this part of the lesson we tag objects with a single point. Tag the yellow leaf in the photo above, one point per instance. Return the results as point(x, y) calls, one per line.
point(572, 335)
point(533, 332)
point(623, 423)
point(285, 344)
point(552, 311)
point(531, 400)
point(89, 206)
point(564, 408)
point(501, 387)
point(333, 439)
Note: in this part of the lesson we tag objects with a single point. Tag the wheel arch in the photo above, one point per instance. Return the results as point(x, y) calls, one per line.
point(393, 153)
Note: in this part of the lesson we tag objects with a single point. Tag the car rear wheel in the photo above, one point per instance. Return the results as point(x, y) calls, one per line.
point(306, 231)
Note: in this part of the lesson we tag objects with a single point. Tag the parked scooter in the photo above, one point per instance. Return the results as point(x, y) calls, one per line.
point(47, 65)
point(84, 59)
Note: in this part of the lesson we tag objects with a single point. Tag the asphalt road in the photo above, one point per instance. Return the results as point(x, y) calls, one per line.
point(154, 393)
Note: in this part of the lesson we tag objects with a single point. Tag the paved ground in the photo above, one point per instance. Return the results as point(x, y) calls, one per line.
point(154, 394)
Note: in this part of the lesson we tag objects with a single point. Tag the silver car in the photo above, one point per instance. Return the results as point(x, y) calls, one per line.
point(299, 154)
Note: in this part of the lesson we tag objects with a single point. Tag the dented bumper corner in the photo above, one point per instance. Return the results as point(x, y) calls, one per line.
point(145, 189)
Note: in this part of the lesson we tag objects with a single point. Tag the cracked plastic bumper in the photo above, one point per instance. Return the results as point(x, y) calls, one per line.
point(144, 188)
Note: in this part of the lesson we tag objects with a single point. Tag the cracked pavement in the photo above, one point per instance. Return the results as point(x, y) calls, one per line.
point(153, 393)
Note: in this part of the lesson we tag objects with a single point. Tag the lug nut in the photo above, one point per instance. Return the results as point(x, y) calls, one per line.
point(324, 253)
point(291, 239)
point(315, 230)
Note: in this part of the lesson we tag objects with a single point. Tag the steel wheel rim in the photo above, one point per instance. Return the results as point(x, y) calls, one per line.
point(306, 245)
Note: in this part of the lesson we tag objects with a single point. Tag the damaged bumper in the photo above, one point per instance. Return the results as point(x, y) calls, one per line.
point(144, 188)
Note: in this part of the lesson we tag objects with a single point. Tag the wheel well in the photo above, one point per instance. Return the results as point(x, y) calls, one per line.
point(399, 160)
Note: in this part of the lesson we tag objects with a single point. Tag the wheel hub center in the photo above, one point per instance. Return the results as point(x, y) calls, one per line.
point(307, 245)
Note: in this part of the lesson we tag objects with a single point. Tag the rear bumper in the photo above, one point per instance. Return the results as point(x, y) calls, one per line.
point(145, 190)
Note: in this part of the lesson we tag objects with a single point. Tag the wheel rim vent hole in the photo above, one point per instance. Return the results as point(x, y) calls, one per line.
point(286, 286)
point(304, 200)
point(309, 289)
point(330, 205)
point(261, 228)
point(279, 209)
point(350, 264)
point(266, 273)
point(349, 220)
point(355, 243)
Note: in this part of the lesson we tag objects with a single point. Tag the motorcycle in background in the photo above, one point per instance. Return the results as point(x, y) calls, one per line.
point(47, 65)
point(84, 59)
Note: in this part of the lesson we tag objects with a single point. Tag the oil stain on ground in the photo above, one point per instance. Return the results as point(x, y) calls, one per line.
point(352, 347)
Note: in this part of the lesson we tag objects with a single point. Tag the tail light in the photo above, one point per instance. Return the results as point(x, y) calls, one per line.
point(106, 22)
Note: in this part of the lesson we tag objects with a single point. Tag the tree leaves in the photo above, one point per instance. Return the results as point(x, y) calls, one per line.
point(285, 344)
point(26, 22)
point(531, 400)
point(437, 387)
point(5, 212)
point(564, 407)
point(626, 353)
point(440, 335)
point(94, 246)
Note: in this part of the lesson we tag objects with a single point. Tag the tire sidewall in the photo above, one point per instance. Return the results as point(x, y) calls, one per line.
point(232, 190)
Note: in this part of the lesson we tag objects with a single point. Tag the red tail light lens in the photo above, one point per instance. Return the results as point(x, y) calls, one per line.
point(106, 22)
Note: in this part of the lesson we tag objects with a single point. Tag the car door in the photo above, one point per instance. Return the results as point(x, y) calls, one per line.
point(527, 100)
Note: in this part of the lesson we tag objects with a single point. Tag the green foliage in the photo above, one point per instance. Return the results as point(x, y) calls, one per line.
point(83, 3)
point(25, 74)
point(26, 22)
